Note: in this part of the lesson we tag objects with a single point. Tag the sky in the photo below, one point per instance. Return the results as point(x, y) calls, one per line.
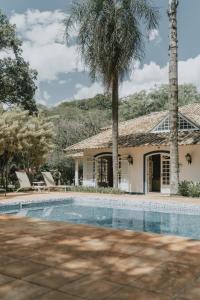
point(61, 73)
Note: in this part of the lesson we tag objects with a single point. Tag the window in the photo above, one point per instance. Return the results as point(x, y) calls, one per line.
point(183, 124)
point(163, 126)
point(104, 176)
point(166, 172)
point(102, 170)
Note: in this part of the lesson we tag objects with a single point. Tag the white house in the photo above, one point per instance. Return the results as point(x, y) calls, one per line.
point(144, 157)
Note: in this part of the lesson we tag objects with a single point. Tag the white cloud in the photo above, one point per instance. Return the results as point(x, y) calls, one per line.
point(148, 77)
point(189, 71)
point(43, 102)
point(31, 18)
point(144, 79)
point(6, 53)
point(46, 95)
point(153, 35)
point(19, 20)
point(45, 49)
point(44, 46)
point(40, 96)
point(51, 59)
point(88, 92)
point(140, 79)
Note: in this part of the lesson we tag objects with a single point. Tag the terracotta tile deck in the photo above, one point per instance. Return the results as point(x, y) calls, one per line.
point(60, 261)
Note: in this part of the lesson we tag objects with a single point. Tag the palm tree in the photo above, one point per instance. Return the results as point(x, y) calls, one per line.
point(173, 97)
point(110, 39)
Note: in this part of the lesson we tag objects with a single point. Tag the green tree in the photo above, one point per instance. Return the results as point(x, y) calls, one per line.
point(10, 124)
point(99, 101)
point(110, 38)
point(8, 38)
point(173, 97)
point(17, 79)
point(36, 141)
point(17, 83)
point(28, 139)
point(72, 125)
point(157, 99)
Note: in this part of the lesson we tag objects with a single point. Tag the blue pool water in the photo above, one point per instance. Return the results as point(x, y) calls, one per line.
point(180, 224)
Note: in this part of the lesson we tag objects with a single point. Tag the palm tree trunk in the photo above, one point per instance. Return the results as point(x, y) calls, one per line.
point(173, 97)
point(115, 98)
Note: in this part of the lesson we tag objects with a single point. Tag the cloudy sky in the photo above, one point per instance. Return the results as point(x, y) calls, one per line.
point(62, 76)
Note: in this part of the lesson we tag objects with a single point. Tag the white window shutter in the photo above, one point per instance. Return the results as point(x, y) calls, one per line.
point(124, 182)
point(89, 172)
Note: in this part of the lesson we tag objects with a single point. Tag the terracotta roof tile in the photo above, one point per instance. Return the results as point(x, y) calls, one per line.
point(136, 132)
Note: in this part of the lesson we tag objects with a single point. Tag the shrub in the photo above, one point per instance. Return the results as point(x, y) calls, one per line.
point(194, 190)
point(184, 188)
point(189, 189)
point(101, 190)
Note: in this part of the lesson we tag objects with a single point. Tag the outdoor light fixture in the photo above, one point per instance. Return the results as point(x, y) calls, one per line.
point(188, 157)
point(130, 159)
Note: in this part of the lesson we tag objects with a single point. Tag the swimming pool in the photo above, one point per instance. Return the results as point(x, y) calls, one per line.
point(138, 216)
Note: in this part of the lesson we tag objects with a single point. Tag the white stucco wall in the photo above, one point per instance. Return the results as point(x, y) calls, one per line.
point(190, 172)
point(136, 171)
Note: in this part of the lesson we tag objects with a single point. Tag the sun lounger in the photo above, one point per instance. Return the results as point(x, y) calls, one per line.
point(25, 184)
point(50, 183)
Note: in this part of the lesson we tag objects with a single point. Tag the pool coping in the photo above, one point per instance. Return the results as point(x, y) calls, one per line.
point(105, 200)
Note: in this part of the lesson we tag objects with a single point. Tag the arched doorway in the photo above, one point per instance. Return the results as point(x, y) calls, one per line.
point(104, 170)
point(157, 172)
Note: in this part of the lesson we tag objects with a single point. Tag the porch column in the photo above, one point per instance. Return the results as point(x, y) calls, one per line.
point(76, 172)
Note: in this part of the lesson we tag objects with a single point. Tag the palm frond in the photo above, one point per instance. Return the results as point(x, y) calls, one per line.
point(110, 34)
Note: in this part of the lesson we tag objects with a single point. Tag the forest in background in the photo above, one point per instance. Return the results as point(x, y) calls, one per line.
point(79, 119)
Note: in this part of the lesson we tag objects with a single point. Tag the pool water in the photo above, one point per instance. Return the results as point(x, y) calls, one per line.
point(121, 218)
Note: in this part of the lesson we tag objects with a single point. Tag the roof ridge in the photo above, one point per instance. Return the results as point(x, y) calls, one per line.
point(143, 116)
point(161, 111)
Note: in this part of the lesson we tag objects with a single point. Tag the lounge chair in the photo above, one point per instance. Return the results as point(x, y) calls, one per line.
point(50, 183)
point(25, 184)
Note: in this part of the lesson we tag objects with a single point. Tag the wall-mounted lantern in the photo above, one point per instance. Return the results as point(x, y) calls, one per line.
point(188, 157)
point(130, 159)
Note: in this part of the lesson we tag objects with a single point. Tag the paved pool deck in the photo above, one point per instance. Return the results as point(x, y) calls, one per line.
point(60, 261)
point(148, 197)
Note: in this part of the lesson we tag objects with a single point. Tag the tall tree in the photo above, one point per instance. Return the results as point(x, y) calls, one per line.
point(17, 79)
point(173, 97)
point(111, 38)
point(17, 83)
point(27, 138)
point(8, 38)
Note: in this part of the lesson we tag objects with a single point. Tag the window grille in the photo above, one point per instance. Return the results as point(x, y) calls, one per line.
point(183, 124)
